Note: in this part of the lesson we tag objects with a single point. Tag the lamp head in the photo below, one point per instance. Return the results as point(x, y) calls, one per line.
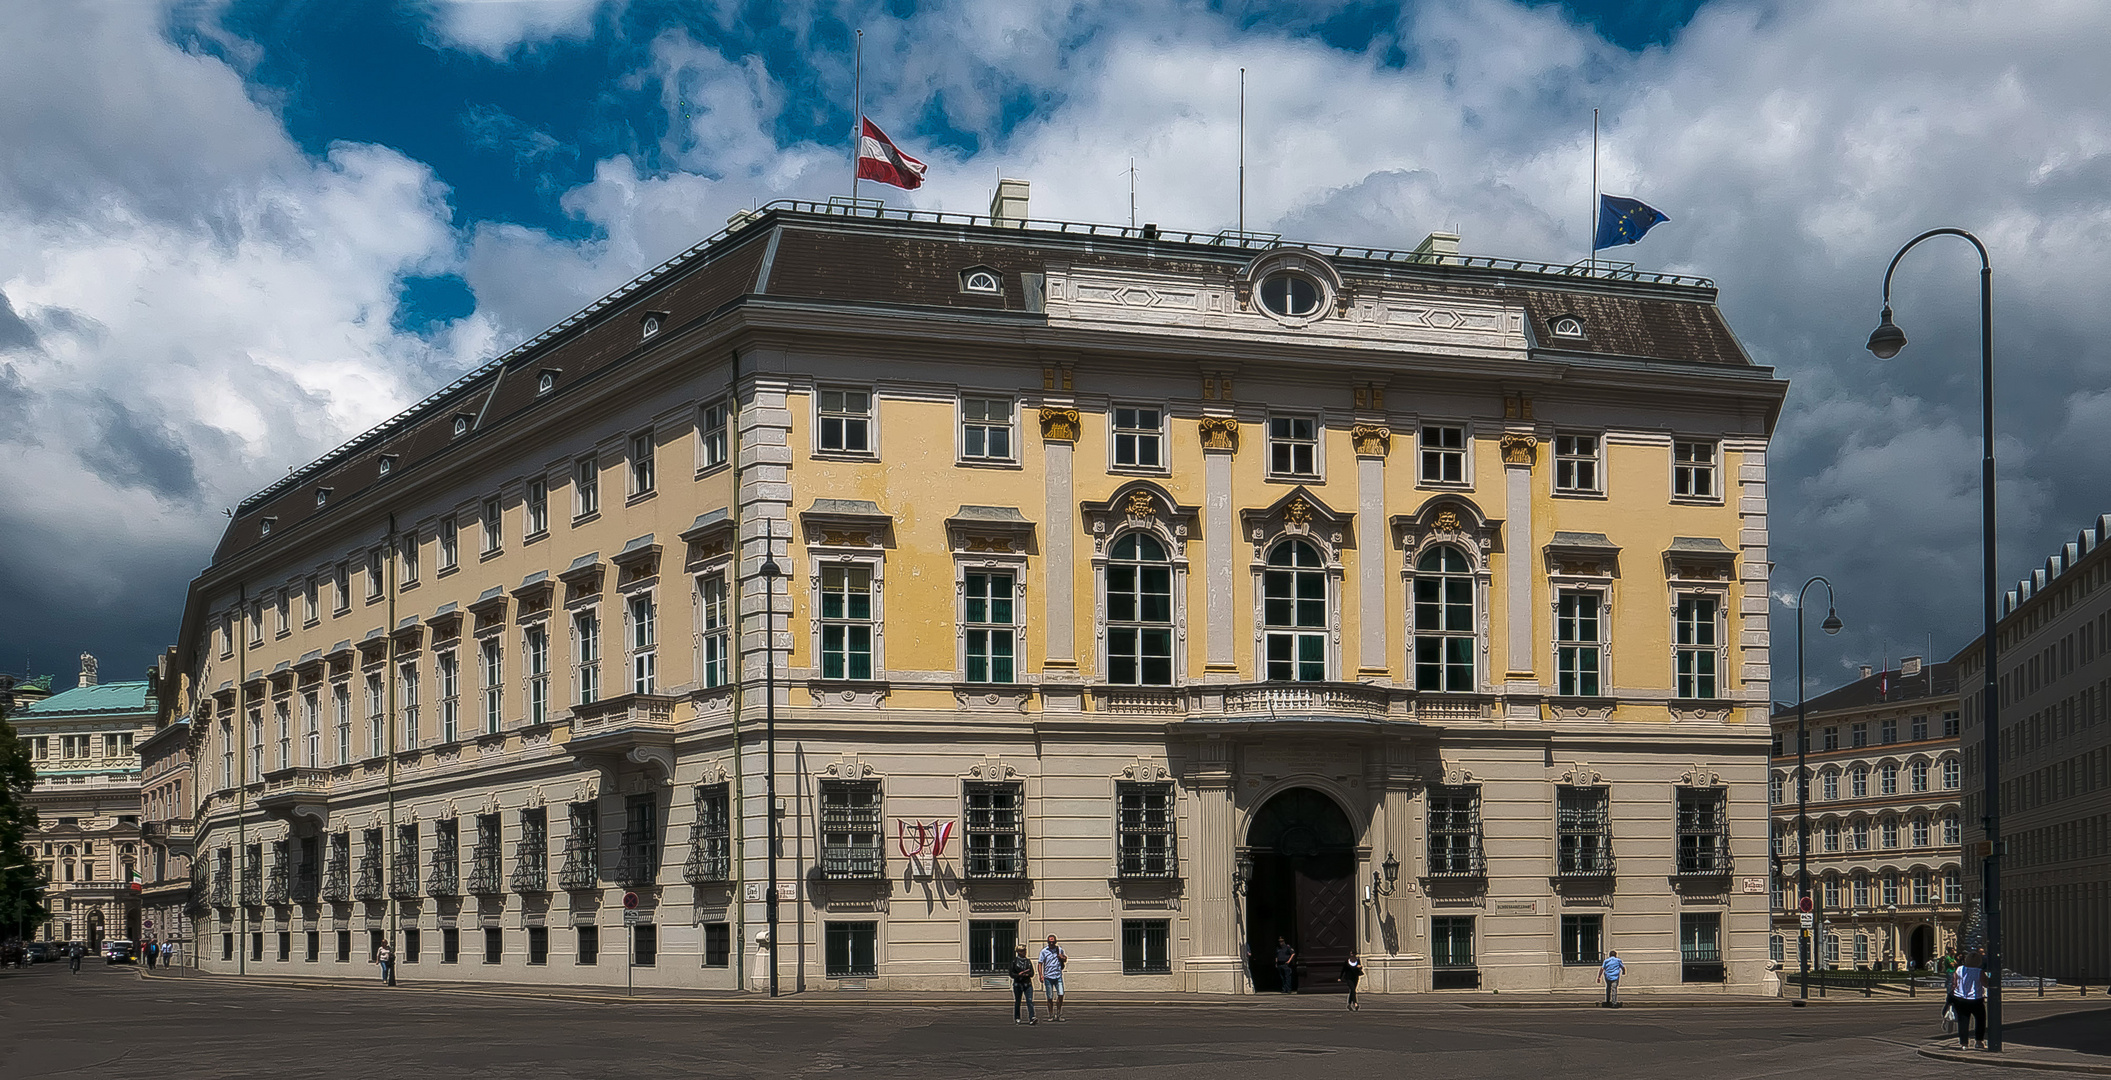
point(770, 569)
point(1832, 623)
point(1392, 868)
point(1887, 339)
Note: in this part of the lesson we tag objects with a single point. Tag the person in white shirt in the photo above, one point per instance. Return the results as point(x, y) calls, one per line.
point(1968, 1001)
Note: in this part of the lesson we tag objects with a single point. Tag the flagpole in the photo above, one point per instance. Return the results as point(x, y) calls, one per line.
point(1242, 155)
point(857, 120)
point(1590, 233)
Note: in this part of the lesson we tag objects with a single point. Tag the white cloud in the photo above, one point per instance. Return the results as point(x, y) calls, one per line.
point(498, 28)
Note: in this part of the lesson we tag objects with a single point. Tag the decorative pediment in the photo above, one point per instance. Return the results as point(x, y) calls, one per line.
point(533, 593)
point(1146, 772)
point(374, 646)
point(1581, 775)
point(848, 767)
point(582, 579)
point(1451, 519)
point(489, 608)
point(639, 559)
point(1582, 555)
point(1701, 776)
point(446, 622)
point(1145, 503)
point(1299, 513)
point(410, 632)
point(995, 529)
point(710, 538)
point(847, 523)
point(992, 771)
point(1699, 558)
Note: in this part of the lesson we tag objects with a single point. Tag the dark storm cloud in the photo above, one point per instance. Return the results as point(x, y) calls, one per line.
point(138, 451)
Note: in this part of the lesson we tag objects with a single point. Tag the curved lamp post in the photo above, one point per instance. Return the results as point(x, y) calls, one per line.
point(770, 573)
point(1831, 625)
point(1885, 342)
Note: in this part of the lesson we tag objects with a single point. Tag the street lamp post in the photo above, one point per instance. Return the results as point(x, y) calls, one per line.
point(1885, 342)
point(770, 573)
point(1806, 945)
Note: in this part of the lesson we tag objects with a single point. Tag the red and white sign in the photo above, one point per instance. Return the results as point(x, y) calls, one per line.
point(922, 839)
point(630, 901)
point(879, 159)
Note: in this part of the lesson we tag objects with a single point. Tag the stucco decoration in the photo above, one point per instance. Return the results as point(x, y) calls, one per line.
point(1519, 449)
point(1371, 440)
point(1581, 774)
point(1060, 425)
point(1219, 433)
point(1448, 519)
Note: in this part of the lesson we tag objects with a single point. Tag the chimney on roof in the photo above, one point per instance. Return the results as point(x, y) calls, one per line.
point(1008, 205)
point(1909, 667)
point(1867, 671)
point(87, 670)
point(1438, 247)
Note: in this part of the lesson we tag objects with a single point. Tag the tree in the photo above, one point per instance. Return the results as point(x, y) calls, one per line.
point(21, 879)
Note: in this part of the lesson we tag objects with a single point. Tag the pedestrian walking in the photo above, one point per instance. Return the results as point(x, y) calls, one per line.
point(1285, 967)
point(73, 956)
point(1052, 960)
point(387, 956)
point(1609, 973)
point(1352, 973)
point(1968, 1001)
point(148, 952)
point(1022, 985)
point(1947, 964)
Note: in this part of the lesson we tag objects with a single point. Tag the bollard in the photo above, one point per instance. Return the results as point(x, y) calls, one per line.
point(1912, 988)
point(2041, 986)
point(1868, 984)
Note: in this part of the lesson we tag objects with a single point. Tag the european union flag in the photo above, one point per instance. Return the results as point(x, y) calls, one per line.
point(1623, 221)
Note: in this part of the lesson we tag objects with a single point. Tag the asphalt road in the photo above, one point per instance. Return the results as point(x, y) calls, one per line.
point(109, 1023)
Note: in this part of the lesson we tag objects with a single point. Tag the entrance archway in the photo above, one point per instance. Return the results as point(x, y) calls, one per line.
point(1303, 889)
point(1920, 952)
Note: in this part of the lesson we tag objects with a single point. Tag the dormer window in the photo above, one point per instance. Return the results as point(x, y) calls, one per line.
point(264, 527)
point(388, 464)
point(547, 381)
point(322, 497)
point(1568, 326)
point(1291, 295)
point(980, 279)
point(461, 425)
point(651, 324)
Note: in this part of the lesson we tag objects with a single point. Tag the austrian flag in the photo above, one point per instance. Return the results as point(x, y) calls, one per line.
point(878, 159)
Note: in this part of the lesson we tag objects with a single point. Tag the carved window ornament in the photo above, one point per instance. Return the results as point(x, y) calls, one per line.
point(1300, 513)
point(1060, 425)
point(1448, 519)
point(847, 523)
point(1141, 502)
point(990, 530)
point(1699, 559)
point(1584, 556)
point(1291, 286)
point(710, 539)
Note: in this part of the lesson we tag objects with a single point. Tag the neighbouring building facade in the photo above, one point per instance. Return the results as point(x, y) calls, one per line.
point(2055, 764)
point(1168, 593)
point(84, 745)
point(1885, 778)
point(169, 896)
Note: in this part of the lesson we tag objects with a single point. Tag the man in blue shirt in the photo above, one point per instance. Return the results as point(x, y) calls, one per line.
point(1052, 960)
point(1609, 973)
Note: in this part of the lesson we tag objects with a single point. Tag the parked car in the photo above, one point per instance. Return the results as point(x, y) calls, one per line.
point(41, 952)
point(119, 951)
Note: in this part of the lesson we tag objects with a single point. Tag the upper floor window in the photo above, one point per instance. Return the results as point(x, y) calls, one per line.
point(1890, 731)
point(711, 436)
point(1696, 647)
point(986, 618)
point(1858, 736)
point(644, 650)
point(996, 830)
point(535, 659)
point(538, 506)
point(1290, 295)
point(1829, 784)
point(1139, 438)
point(1703, 825)
point(1950, 774)
point(586, 487)
point(641, 468)
point(715, 621)
point(1139, 612)
point(1920, 728)
point(1576, 465)
point(1444, 624)
point(375, 586)
point(586, 654)
point(1578, 644)
point(1294, 613)
point(1443, 451)
point(491, 657)
point(450, 543)
point(1917, 776)
point(344, 588)
point(846, 622)
point(407, 558)
point(846, 421)
point(1583, 831)
point(1887, 779)
point(1454, 831)
point(284, 611)
point(450, 675)
point(1858, 782)
point(492, 537)
point(852, 845)
point(1293, 446)
point(986, 428)
point(1144, 837)
point(1693, 470)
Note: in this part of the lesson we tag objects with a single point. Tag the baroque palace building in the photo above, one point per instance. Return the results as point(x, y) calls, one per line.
point(2054, 767)
point(1167, 593)
point(1885, 778)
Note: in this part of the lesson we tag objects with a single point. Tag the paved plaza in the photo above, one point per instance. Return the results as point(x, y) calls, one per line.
point(114, 1023)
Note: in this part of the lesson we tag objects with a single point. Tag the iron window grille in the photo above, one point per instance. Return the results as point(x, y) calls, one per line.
point(1455, 832)
point(253, 875)
point(640, 862)
point(403, 879)
point(990, 946)
point(1581, 936)
point(306, 883)
point(277, 889)
point(1144, 829)
point(1451, 953)
point(337, 873)
point(850, 948)
point(223, 878)
point(1584, 831)
point(582, 862)
point(710, 837)
point(531, 855)
point(443, 878)
point(201, 891)
point(996, 832)
point(1703, 824)
point(368, 884)
point(486, 878)
point(1146, 947)
point(852, 844)
point(1700, 948)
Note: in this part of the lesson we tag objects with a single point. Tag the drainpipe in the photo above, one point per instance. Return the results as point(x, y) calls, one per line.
point(234, 728)
point(734, 801)
point(390, 567)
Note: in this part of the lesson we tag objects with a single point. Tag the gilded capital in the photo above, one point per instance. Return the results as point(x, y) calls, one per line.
point(1219, 433)
point(1371, 440)
point(1519, 449)
point(1059, 425)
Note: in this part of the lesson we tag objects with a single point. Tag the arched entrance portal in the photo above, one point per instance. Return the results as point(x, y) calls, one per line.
point(1921, 950)
point(1303, 889)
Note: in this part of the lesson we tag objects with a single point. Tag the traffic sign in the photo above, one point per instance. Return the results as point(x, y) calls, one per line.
point(1807, 919)
point(149, 924)
point(630, 901)
point(637, 918)
point(1803, 905)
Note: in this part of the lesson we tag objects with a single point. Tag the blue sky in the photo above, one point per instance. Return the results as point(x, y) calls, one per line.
point(233, 234)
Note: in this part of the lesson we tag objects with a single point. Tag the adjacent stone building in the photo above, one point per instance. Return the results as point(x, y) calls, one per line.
point(1169, 593)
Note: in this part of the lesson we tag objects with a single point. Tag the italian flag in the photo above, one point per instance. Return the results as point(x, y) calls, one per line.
point(132, 879)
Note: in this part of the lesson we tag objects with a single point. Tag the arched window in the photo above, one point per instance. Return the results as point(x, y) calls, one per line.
point(1139, 612)
point(1829, 783)
point(1443, 622)
point(1294, 613)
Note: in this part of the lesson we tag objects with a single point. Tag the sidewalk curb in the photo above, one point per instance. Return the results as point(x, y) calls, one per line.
point(2007, 1060)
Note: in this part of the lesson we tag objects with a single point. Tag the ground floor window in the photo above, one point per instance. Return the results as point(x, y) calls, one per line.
point(990, 947)
point(1146, 947)
point(256, 945)
point(410, 944)
point(718, 944)
point(1451, 953)
point(538, 944)
point(344, 946)
point(1580, 938)
point(285, 945)
point(645, 945)
point(450, 944)
point(374, 942)
point(494, 944)
point(315, 945)
point(227, 945)
point(1777, 950)
point(1832, 949)
point(850, 949)
point(1700, 947)
point(589, 944)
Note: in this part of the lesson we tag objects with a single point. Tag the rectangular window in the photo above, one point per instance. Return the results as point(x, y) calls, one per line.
point(586, 487)
point(1145, 839)
point(538, 945)
point(715, 613)
point(1830, 785)
point(1577, 645)
point(311, 728)
point(284, 612)
point(1858, 782)
point(849, 949)
point(1454, 831)
point(710, 837)
point(1887, 779)
point(639, 863)
point(645, 945)
point(1917, 776)
point(586, 640)
point(711, 430)
point(1889, 831)
point(491, 658)
point(846, 622)
point(1889, 730)
point(589, 944)
point(410, 944)
point(1703, 825)
point(450, 671)
point(1451, 947)
point(582, 848)
point(343, 583)
point(538, 506)
point(375, 585)
point(344, 946)
point(1920, 728)
point(407, 704)
point(535, 657)
point(718, 945)
point(1576, 470)
point(644, 651)
point(314, 945)
point(1859, 736)
point(492, 522)
point(1443, 451)
point(996, 831)
point(986, 428)
point(450, 944)
point(1693, 470)
point(851, 837)
point(1583, 827)
point(1829, 739)
point(376, 716)
point(990, 946)
point(1139, 438)
point(1952, 888)
point(494, 944)
point(1293, 446)
point(1860, 834)
point(846, 421)
point(1860, 891)
point(1697, 648)
point(1146, 947)
point(1921, 833)
point(641, 469)
point(281, 714)
point(341, 701)
point(987, 619)
point(1700, 947)
point(450, 544)
point(1580, 937)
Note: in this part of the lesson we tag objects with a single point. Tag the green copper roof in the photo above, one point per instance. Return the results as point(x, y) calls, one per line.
point(109, 699)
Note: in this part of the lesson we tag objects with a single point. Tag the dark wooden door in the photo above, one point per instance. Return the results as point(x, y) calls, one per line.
point(1326, 915)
